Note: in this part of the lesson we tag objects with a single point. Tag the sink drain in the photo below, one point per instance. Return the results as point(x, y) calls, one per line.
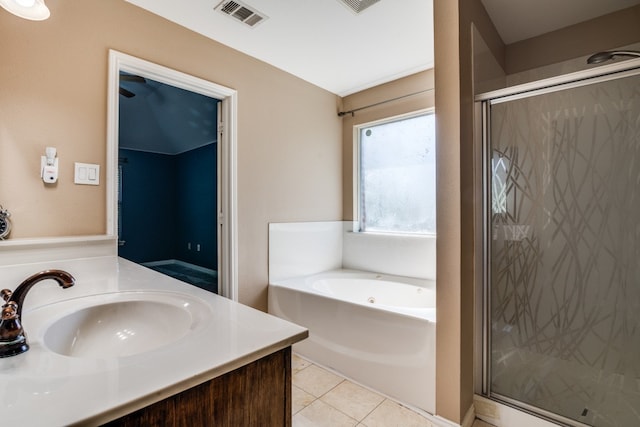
point(371, 300)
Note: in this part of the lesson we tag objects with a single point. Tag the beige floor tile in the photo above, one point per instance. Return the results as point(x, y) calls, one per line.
point(352, 399)
point(315, 380)
point(300, 399)
point(298, 363)
point(319, 414)
point(391, 414)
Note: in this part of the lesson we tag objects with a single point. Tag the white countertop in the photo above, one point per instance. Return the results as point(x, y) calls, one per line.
point(43, 388)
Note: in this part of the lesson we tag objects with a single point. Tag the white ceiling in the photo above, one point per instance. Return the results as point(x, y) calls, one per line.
point(320, 41)
point(518, 20)
point(325, 43)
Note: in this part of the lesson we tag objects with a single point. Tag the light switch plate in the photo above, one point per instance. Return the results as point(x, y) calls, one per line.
point(87, 174)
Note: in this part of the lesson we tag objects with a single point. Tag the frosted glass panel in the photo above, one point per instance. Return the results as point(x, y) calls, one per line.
point(398, 176)
point(565, 252)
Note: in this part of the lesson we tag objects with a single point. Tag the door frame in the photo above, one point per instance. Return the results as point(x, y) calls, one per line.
point(226, 146)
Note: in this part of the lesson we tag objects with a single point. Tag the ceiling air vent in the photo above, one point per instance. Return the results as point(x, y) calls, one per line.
point(358, 5)
point(243, 13)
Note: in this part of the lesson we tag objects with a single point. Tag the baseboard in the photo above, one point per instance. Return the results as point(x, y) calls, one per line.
point(156, 263)
point(467, 421)
point(469, 418)
point(178, 262)
point(501, 415)
point(195, 267)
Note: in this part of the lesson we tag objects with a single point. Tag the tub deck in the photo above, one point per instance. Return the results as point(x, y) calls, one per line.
point(388, 347)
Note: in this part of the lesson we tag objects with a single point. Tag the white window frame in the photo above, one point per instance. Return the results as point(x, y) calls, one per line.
point(357, 200)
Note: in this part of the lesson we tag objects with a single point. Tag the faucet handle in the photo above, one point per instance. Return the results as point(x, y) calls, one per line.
point(6, 294)
point(9, 311)
point(12, 338)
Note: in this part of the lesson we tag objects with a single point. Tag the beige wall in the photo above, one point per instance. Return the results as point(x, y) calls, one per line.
point(449, 392)
point(53, 92)
point(603, 33)
point(458, 209)
point(557, 52)
point(398, 88)
point(488, 72)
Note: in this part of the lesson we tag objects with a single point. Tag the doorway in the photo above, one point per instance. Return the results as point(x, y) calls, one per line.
point(167, 180)
point(173, 208)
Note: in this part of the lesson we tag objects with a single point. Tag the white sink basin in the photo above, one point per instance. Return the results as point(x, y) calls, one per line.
point(118, 324)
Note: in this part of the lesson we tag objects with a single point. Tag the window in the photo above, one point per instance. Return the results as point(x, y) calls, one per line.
point(396, 175)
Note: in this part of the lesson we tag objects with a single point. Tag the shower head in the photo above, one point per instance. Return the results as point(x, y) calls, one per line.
point(599, 57)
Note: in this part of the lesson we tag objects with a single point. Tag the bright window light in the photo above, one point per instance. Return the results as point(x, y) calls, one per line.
point(397, 175)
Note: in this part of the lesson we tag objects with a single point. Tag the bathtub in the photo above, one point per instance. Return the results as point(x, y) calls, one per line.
point(375, 329)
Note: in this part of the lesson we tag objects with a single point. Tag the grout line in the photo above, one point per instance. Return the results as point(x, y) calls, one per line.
point(359, 422)
point(330, 405)
point(377, 406)
point(332, 388)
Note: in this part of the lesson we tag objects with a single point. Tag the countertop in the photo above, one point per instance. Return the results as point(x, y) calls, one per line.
point(43, 388)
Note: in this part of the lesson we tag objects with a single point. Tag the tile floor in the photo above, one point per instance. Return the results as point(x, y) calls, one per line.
point(322, 398)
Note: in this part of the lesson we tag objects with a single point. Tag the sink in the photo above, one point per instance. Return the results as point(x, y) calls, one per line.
point(118, 324)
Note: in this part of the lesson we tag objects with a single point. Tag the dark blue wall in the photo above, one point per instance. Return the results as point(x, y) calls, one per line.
point(168, 202)
point(148, 206)
point(196, 196)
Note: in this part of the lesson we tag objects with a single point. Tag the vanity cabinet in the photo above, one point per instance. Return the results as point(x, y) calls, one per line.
point(256, 394)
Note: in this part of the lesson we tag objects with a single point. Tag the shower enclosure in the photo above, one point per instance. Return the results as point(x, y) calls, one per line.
point(562, 244)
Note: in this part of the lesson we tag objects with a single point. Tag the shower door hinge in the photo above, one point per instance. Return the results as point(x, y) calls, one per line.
point(220, 218)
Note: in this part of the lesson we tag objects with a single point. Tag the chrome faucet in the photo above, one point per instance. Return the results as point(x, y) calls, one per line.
point(13, 340)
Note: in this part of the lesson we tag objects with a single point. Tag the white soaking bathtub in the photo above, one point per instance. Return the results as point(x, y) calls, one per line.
point(376, 329)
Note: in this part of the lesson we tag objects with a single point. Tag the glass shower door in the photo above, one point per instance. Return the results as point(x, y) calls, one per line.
point(563, 241)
